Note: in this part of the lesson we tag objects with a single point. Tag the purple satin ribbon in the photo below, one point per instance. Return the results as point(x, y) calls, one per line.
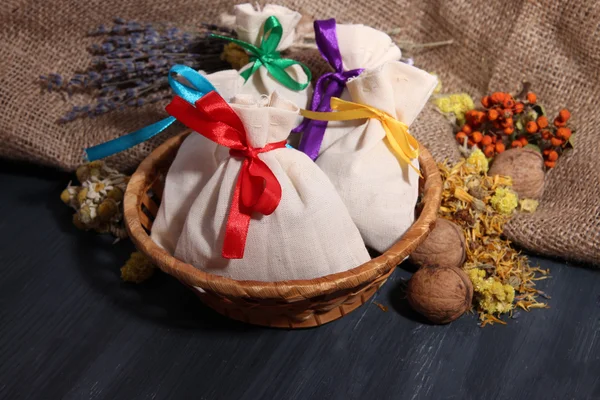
point(330, 84)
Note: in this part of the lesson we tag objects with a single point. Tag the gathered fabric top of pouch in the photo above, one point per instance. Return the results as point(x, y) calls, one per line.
point(364, 47)
point(267, 119)
point(249, 23)
point(396, 88)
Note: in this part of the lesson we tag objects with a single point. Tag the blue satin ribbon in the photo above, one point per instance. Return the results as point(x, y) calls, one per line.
point(200, 87)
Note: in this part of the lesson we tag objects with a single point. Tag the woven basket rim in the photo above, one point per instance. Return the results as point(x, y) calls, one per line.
point(290, 290)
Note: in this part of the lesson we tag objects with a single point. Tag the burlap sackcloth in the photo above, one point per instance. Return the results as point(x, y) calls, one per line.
point(498, 44)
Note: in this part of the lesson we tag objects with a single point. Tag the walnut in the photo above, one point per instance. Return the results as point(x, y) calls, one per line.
point(442, 294)
point(525, 167)
point(445, 246)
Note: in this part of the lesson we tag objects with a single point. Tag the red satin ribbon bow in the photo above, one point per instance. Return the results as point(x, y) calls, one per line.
point(257, 188)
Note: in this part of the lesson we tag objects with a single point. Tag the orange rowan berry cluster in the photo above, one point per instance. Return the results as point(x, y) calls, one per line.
point(509, 122)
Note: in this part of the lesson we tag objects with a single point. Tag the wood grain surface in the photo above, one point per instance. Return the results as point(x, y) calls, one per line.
point(70, 329)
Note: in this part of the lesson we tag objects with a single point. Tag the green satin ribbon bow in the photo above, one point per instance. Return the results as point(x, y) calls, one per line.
point(267, 55)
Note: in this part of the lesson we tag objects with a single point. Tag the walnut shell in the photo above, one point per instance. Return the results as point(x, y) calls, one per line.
point(525, 167)
point(442, 294)
point(444, 247)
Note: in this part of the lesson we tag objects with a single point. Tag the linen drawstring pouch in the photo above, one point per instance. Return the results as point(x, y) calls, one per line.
point(264, 33)
point(371, 158)
point(267, 213)
point(349, 49)
point(195, 162)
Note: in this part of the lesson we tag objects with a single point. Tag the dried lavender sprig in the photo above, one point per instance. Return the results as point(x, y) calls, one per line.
point(129, 67)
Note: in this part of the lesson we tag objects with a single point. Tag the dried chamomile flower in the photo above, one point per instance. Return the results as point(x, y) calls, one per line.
point(69, 195)
point(82, 196)
point(98, 202)
point(78, 224)
point(83, 173)
point(66, 197)
point(87, 214)
point(116, 194)
point(107, 210)
point(96, 168)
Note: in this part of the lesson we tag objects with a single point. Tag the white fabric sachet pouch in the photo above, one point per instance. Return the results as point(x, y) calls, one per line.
point(379, 189)
point(309, 232)
point(349, 50)
point(364, 47)
point(249, 26)
point(195, 162)
point(360, 47)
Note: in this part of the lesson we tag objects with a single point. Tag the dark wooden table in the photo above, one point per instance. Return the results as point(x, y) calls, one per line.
point(70, 329)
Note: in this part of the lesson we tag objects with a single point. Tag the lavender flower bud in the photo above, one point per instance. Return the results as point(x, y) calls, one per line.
point(100, 30)
point(108, 47)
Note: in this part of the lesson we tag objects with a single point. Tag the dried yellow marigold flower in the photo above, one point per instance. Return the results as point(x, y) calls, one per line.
point(492, 295)
point(528, 205)
point(496, 270)
point(457, 104)
point(504, 201)
point(479, 161)
point(137, 269)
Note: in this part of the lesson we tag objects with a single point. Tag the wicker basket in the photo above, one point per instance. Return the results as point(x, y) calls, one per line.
point(285, 304)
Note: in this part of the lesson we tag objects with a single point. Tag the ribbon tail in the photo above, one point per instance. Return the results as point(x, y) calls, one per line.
point(302, 127)
point(314, 104)
point(311, 140)
point(238, 223)
point(245, 45)
point(397, 149)
point(314, 132)
point(327, 42)
point(247, 73)
point(405, 140)
point(125, 142)
point(199, 87)
point(277, 69)
point(266, 191)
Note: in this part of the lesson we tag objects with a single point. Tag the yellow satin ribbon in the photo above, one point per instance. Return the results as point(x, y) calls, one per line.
point(404, 146)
